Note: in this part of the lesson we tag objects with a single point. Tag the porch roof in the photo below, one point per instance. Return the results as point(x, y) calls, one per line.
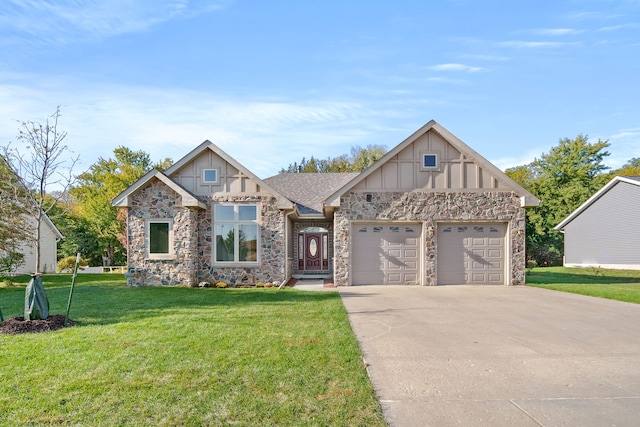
point(309, 190)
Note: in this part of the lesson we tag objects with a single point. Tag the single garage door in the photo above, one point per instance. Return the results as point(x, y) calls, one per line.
point(471, 253)
point(386, 254)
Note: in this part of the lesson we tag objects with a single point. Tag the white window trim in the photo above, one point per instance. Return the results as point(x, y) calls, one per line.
point(236, 223)
point(430, 168)
point(217, 171)
point(169, 255)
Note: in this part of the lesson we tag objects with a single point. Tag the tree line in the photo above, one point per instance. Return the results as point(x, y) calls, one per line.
point(80, 207)
point(563, 179)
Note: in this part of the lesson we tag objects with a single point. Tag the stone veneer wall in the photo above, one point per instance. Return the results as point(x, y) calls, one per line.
point(157, 201)
point(430, 208)
point(192, 236)
point(272, 250)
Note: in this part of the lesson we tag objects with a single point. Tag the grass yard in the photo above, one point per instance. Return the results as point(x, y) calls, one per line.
point(621, 285)
point(188, 357)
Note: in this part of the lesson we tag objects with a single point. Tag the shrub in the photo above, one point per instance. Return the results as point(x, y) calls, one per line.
point(66, 265)
point(221, 284)
point(10, 262)
point(260, 285)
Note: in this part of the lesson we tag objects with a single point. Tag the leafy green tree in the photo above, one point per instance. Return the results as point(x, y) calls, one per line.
point(77, 232)
point(14, 228)
point(631, 168)
point(358, 160)
point(13, 224)
point(562, 179)
point(96, 189)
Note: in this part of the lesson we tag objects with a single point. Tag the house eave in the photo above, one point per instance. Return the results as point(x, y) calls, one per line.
point(123, 200)
point(593, 199)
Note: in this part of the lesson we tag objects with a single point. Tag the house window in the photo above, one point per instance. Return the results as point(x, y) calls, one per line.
point(210, 176)
point(159, 238)
point(430, 162)
point(236, 233)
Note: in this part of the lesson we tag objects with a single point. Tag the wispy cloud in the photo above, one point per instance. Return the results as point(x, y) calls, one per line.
point(504, 163)
point(262, 134)
point(456, 67)
point(625, 141)
point(619, 27)
point(49, 21)
point(522, 44)
point(480, 57)
point(556, 31)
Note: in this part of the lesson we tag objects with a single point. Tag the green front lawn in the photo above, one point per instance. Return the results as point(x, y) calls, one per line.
point(180, 356)
point(621, 285)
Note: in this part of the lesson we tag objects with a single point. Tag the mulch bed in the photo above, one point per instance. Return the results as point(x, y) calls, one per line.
point(17, 325)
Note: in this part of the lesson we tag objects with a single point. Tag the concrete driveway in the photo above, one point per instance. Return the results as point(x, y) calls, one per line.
point(498, 355)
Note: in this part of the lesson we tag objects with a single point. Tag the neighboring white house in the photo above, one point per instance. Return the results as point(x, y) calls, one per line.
point(605, 230)
point(49, 236)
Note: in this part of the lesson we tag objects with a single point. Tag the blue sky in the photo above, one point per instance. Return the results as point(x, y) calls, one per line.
point(273, 81)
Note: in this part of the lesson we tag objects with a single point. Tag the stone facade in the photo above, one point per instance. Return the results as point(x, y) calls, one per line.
point(157, 201)
point(192, 234)
point(429, 209)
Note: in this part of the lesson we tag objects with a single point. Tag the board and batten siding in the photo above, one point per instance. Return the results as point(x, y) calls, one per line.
point(230, 179)
point(607, 233)
point(455, 170)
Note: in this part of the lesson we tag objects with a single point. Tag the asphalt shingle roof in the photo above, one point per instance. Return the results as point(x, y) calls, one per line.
point(309, 190)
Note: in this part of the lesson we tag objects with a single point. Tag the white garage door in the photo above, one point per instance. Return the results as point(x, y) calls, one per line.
point(471, 253)
point(386, 254)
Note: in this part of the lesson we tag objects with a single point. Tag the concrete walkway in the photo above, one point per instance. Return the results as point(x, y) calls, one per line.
point(498, 355)
point(313, 285)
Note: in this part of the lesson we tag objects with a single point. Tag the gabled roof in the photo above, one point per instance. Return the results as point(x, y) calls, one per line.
point(188, 200)
point(527, 199)
point(633, 180)
point(309, 190)
point(53, 227)
point(283, 202)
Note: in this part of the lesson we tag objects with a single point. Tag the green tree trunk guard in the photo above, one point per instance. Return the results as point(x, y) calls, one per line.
point(36, 303)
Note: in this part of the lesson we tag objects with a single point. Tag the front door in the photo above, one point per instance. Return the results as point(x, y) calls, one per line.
point(312, 252)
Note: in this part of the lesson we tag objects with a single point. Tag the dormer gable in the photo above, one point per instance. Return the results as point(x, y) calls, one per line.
point(208, 170)
point(433, 160)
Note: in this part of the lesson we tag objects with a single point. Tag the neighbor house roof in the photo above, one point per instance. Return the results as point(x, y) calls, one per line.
point(188, 199)
point(633, 180)
point(527, 199)
point(53, 227)
point(309, 190)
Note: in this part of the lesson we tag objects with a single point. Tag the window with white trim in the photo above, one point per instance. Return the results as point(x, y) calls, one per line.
point(159, 238)
point(430, 161)
point(236, 233)
point(210, 176)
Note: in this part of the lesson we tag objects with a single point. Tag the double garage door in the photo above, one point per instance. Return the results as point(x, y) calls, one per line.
point(466, 253)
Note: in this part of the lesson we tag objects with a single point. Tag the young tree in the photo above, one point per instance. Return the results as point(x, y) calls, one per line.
point(39, 163)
